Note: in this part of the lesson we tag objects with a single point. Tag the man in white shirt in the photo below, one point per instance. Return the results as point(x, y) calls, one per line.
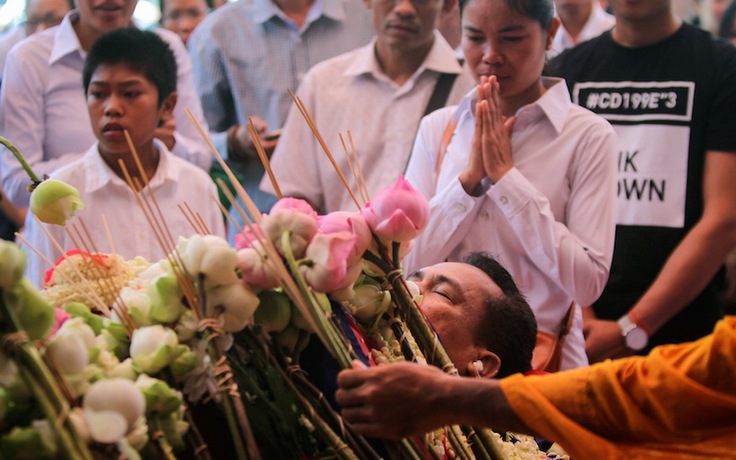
point(248, 54)
point(40, 15)
point(580, 20)
point(379, 93)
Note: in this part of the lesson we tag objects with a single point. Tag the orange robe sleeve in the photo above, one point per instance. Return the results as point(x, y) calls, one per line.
point(677, 402)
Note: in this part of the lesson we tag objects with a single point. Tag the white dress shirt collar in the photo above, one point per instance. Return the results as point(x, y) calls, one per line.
point(66, 41)
point(554, 104)
point(104, 175)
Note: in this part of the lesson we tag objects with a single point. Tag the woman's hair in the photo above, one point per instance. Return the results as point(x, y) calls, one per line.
point(541, 11)
point(142, 51)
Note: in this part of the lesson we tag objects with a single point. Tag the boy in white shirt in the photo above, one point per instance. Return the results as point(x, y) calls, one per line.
point(129, 81)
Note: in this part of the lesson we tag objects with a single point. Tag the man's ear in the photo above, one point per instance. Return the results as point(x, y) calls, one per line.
point(491, 364)
point(167, 106)
point(487, 365)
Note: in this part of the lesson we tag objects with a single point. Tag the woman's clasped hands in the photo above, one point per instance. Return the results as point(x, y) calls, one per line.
point(491, 154)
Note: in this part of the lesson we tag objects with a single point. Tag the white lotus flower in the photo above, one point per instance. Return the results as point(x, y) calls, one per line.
point(152, 348)
point(233, 304)
point(210, 256)
point(112, 407)
point(70, 346)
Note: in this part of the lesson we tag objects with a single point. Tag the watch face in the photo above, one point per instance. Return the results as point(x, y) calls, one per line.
point(636, 339)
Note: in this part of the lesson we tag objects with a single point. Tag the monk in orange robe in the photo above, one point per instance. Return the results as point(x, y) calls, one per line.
point(677, 402)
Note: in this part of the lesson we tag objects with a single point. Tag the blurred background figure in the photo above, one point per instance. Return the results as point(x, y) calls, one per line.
point(727, 29)
point(449, 27)
point(40, 15)
point(711, 13)
point(182, 16)
point(687, 10)
point(580, 20)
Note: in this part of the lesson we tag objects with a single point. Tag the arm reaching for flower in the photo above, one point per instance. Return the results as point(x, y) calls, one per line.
point(406, 399)
point(628, 408)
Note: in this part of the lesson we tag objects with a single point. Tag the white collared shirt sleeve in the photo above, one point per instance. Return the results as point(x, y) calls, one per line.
point(22, 122)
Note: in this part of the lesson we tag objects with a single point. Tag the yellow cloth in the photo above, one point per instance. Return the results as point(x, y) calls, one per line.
point(677, 402)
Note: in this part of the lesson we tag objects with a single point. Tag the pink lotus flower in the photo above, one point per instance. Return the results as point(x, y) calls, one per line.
point(254, 269)
point(397, 213)
point(328, 253)
point(355, 223)
point(245, 239)
point(60, 317)
point(294, 204)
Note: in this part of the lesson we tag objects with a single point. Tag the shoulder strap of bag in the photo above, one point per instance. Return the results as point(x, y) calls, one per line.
point(567, 321)
point(444, 142)
point(441, 92)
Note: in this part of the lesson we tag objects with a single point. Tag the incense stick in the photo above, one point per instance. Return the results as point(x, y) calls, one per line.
point(233, 180)
point(264, 158)
point(360, 169)
point(320, 139)
point(352, 168)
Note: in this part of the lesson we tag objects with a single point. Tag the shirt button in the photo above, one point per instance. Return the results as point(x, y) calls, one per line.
point(298, 40)
point(460, 207)
point(504, 200)
point(484, 215)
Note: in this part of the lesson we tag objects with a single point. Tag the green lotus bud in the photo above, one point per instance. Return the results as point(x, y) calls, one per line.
point(166, 297)
point(187, 361)
point(34, 315)
point(20, 441)
point(54, 201)
point(80, 310)
point(369, 302)
point(174, 429)
point(161, 399)
point(12, 264)
point(274, 311)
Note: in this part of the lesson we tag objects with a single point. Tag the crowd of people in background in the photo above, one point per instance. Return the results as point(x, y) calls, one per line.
point(587, 145)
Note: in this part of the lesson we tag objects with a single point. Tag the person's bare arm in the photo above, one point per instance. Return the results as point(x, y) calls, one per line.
point(12, 212)
point(404, 399)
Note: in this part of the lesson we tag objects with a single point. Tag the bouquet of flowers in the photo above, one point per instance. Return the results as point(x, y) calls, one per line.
point(116, 358)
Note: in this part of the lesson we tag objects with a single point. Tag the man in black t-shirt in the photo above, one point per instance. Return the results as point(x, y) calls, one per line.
point(669, 90)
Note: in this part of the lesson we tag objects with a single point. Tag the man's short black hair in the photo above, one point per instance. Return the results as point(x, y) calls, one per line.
point(142, 51)
point(508, 327)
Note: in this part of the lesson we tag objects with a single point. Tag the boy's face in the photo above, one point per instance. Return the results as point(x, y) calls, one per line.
point(121, 99)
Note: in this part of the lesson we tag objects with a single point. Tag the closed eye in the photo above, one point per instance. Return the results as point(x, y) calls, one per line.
point(443, 294)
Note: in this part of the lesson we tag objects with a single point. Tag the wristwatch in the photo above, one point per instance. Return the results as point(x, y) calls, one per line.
point(635, 337)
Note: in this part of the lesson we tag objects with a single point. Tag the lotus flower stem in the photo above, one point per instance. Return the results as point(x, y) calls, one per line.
point(43, 385)
point(19, 156)
point(323, 428)
point(237, 421)
point(333, 342)
point(164, 447)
